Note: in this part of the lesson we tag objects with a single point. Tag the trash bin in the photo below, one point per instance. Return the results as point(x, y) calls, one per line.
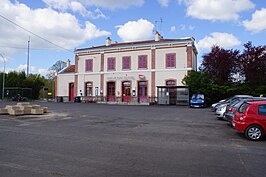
point(59, 99)
point(77, 99)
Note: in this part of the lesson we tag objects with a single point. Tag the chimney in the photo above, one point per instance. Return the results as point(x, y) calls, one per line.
point(108, 41)
point(68, 62)
point(157, 36)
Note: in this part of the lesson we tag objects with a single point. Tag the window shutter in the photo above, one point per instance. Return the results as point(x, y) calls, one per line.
point(143, 61)
point(111, 63)
point(170, 60)
point(126, 62)
point(88, 65)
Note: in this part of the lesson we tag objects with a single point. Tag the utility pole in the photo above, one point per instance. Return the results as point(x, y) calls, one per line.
point(3, 90)
point(28, 59)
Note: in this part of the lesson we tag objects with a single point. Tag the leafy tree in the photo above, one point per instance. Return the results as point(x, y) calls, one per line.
point(58, 66)
point(216, 76)
point(253, 63)
point(221, 65)
point(15, 79)
point(36, 82)
point(200, 82)
point(19, 79)
point(197, 81)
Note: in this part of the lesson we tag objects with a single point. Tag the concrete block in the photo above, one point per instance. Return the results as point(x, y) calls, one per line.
point(3, 111)
point(9, 107)
point(35, 106)
point(26, 109)
point(23, 104)
point(36, 111)
point(45, 109)
point(15, 112)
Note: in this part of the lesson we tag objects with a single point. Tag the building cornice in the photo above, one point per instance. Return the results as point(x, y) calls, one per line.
point(132, 46)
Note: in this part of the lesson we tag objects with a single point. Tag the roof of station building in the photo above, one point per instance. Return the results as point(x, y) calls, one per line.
point(146, 42)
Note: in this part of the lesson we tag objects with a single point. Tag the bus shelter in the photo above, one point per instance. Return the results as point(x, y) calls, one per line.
point(173, 95)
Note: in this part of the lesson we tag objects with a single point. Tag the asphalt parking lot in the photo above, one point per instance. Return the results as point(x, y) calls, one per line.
point(97, 140)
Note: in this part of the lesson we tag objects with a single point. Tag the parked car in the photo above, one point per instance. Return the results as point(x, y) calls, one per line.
point(197, 100)
point(213, 106)
point(228, 100)
point(232, 108)
point(221, 108)
point(250, 119)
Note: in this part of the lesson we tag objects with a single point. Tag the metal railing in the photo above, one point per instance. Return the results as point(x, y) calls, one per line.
point(106, 99)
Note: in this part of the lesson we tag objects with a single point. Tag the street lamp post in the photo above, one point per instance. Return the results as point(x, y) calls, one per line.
point(3, 91)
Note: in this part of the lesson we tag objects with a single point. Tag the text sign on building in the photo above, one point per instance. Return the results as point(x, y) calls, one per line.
point(121, 78)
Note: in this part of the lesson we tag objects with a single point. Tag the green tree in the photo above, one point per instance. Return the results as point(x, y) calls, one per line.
point(36, 82)
point(15, 79)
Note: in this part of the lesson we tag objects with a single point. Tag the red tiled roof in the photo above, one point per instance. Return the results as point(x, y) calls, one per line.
point(70, 69)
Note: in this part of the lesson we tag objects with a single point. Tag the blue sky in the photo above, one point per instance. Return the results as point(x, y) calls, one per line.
point(74, 24)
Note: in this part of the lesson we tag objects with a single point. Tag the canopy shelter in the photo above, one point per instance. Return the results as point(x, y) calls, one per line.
point(173, 95)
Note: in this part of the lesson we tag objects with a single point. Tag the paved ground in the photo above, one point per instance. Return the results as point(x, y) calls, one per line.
point(78, 140)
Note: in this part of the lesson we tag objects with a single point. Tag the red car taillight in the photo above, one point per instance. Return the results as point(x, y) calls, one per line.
point(239, 117)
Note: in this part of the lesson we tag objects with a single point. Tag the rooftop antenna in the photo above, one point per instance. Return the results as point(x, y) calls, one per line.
point(159, 27)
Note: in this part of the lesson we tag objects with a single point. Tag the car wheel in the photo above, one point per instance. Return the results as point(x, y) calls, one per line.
point(254, 132)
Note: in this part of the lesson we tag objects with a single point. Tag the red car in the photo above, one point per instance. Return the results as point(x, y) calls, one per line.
point(250, 119)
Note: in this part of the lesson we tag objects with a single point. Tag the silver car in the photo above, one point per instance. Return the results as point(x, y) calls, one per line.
point(228, 100)
point(221, 110)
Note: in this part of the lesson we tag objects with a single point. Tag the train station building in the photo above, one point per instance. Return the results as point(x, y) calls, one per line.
point(130, 72)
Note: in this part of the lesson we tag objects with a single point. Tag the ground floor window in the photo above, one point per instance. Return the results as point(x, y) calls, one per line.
point(126, 91)
point(88, 89)
point(171, 91)
point(142, 91)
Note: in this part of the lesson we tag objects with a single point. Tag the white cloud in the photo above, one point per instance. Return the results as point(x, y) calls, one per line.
point(113, 4)
point(173, 29)
point(224, 40)
point(135, 30)
point(24, 68)
point(224, 10)
point(43, 72)
point(164, 3)
point(60, 28)
point(258, 21)
point(108, 4)
point(75, 6)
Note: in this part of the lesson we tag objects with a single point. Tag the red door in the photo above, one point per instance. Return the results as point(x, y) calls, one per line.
point(126, 91)
point(110, 91)
point(71, 92)
point(142, 92)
